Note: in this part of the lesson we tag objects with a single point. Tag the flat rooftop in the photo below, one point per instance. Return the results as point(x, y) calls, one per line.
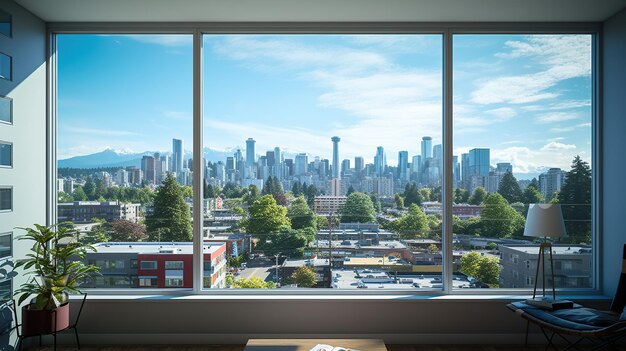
point(556, 250)
point(155, 247)
point(354, 244)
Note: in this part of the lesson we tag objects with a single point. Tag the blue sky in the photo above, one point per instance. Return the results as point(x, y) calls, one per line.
point(528, 98)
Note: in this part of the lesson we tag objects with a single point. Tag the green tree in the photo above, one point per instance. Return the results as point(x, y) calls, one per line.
point(79, 194)
point(478, 196)
point(252, 194)
point(484, 268)
point(321, 222)
point(399, 201)
point(310, 193)
point(171, 218)
point(265, 217)
point(296, 189)
point(65, 197)
point(100, 191)
point(252, 283)
point(187, 192)
point(509, 188)
point(376, 202)
point(304, 277)
point(90, 189)
point(424, 195)
point(300, 214)
point(412, 195)
point(97, 234)
point(461, 196)
point(531, 195)
point(412, 225)
point(123, 230)
point(350, 190)
point(358, 208)
point(498, 219)
point(575, 200)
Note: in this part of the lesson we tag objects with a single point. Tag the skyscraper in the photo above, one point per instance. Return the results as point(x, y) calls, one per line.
point(465, 170)
point(403, 165)
point(359, 164)
point(177, 155)
point(345, 167)
point(479, 162)
point(335, 141)
point(300, 164)
point(250, 152)
point(380, 161)
point(147, 166)
point(427, 148)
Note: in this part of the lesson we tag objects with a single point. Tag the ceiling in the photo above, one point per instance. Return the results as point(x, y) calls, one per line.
point(323, 10)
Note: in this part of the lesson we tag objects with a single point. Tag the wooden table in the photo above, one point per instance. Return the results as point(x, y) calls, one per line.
point(308, 344)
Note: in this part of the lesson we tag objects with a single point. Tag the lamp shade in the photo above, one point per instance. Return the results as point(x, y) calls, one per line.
point(544, 220)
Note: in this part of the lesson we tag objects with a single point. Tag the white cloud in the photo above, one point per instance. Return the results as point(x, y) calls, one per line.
point(177, 115)
point(556, 117)
point(561, 56)
point(532, 161)
point(100, 132)
point(553, 145)
point(502, 113)
point(164, 39)
point(570, 128)
point(562, 105)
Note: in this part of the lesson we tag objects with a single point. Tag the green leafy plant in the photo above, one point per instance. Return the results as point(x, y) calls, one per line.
point(55, 268)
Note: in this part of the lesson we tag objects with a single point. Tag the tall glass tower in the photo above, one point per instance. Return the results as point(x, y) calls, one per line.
point(177, 155)
point(336, 140)
point(250, 152)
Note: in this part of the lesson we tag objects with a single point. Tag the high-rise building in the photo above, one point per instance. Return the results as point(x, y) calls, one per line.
point(147, 166)
point(551, 181)
point(427, 148)
point(416, 168)
point(177, 155)
point(300, 165)
point(465, 170)
point(345, 167)
point(324, 168)
point(359, 164)
point(250, 153)
point(380, 162)
point(456, 172)
point(403, 165)
point(335, 141)
point(504, 167)
point(479, 162)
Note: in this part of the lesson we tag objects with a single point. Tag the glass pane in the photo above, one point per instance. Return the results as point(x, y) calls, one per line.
point(322, 159)
point(5, 66)
point(6, 154)
point(125, 165)
point(6, 199)
point(6, 109)
point(522, 135)
point(5, 24)
point(6, 245)
point(5, 291)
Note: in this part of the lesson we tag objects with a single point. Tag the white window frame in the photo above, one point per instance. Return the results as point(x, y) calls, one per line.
point(446, 29)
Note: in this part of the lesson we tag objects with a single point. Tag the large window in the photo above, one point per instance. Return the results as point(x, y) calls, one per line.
point(324, 159)
point(124, 149)
point(522, 135)
point(322, 162)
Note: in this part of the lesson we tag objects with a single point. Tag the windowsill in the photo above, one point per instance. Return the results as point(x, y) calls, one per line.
point(186, 296)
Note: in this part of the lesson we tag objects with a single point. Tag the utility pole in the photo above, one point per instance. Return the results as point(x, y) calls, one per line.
point(277, 255)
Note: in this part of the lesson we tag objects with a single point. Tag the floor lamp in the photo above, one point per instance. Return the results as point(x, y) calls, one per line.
point(543, 221)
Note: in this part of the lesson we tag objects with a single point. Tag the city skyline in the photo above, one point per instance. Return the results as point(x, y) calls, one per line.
point(394, 91)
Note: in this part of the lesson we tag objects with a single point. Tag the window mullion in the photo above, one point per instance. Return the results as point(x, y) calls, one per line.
point(447, 164)
point(198, 195)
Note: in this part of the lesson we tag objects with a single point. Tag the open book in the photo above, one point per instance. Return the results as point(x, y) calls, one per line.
point(322, 347)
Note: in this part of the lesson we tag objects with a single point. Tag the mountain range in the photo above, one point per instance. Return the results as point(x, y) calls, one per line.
point(113, 158)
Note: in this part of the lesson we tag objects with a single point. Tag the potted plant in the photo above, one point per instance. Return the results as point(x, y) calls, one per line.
point(56, 273)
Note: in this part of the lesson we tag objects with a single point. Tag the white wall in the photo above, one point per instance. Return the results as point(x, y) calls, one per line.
point(613, 145)
point(28, 132)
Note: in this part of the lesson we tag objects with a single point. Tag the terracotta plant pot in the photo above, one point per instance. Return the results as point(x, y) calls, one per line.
point(37, 322)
